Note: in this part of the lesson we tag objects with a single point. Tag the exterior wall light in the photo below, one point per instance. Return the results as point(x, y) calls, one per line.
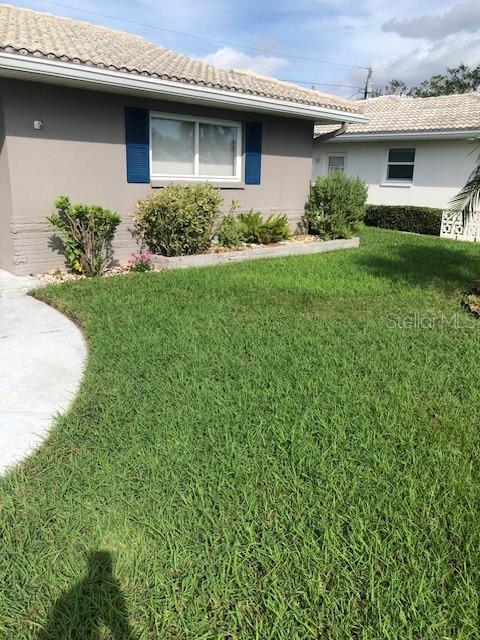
point(38, 124)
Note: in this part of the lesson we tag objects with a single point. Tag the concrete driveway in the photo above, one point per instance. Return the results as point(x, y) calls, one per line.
point(42, 358)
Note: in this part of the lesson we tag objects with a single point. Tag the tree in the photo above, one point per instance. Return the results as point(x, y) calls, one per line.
point(461, 79)
point(394, 87)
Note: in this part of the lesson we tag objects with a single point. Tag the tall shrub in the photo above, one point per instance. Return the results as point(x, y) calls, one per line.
point(86, 233)
point(178, 220)
point(336, 207)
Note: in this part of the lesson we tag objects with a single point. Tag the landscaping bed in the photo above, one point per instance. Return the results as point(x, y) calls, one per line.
point(183, 225)
point(297, 245)
point(222, 255)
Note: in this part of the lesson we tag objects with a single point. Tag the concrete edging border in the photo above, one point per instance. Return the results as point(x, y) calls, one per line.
point(274, 251)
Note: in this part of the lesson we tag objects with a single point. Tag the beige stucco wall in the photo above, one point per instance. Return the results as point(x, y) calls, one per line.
point(81, 153)
point(6, 244)
point(441, 169)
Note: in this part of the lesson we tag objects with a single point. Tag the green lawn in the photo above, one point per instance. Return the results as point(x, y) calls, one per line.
point(261, 450)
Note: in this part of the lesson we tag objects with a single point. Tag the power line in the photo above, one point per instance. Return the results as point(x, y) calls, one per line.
point(204, 38)
point(322, 84)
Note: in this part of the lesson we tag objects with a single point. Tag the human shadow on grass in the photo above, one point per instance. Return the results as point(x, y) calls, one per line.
point(93, 603)
point(443, 266)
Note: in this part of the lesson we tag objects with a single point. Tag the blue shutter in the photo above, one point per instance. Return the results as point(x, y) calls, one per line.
point(253, 152)
point(137, 139)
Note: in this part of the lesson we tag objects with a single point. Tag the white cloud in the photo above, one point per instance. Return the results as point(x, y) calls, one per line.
point(394, 56)
point(428, 59)
point(229, 58)
point(461, 17)
point(410, 40)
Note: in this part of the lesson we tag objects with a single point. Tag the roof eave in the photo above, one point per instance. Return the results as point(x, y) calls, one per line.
point(83, 76)
point(445, 134)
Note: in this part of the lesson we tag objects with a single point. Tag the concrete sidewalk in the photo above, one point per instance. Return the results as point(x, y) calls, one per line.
point(42, 357)
point(13, 286)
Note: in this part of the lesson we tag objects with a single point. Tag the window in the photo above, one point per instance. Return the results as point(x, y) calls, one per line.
point(336, 163)
point(190, 148)
point(400, 164)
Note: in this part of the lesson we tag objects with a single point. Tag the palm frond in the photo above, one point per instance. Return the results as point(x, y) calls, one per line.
point(467, 199)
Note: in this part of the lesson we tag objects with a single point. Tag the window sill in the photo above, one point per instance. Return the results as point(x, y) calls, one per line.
point(158, 183)
point(392, 183)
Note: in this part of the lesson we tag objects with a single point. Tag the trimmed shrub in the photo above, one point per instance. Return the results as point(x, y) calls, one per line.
point(426, 220)
point(257, 230)
point(86, 234)
point(230, 233)
point(178, 220)
point(336, 206)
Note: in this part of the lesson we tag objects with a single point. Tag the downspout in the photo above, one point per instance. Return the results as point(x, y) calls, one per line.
point(332, 134)
point(329, 136)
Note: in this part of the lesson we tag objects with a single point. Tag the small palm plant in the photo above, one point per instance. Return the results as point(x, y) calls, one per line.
point(467, 203)
point(467, 200)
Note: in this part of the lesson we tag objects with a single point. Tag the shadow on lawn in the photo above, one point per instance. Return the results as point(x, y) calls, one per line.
point(440, 266)
point(96, 601)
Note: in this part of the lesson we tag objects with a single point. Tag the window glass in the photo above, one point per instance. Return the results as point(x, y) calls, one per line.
point(400, 164)
point(217, 150)
point(187, 147)
point(400, 171)
point(173, 147)
point(401, 155)
point(336, 163)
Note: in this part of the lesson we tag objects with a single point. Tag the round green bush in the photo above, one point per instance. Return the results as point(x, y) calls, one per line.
point(178, 220)
point(336, 207)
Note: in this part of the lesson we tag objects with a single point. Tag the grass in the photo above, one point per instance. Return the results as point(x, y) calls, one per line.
point(282, 449)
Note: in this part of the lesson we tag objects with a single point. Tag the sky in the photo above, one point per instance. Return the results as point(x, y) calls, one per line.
point(317, 42)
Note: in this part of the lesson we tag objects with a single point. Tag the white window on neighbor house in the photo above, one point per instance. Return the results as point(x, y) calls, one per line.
point(336, 162)
point(186, 148)
point(400, 164)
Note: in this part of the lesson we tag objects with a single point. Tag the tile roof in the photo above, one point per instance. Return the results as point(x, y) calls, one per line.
point(397, 114)
point(33, 33)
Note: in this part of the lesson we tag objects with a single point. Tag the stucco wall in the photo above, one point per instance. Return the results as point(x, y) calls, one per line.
point(5, 199)
point(441, 169)
point(81, 153)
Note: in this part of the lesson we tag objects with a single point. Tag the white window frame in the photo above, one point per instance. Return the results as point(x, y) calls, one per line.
point(196, 176)
point(340, 154)
point(400, 181)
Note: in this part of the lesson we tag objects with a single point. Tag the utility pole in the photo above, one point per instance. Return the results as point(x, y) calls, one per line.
point(367, 83)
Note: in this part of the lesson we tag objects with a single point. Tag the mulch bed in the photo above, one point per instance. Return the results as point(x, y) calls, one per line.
point(471, 300)
point(58, 276)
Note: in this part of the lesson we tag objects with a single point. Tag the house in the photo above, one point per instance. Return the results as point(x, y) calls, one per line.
point(107, 117)
point(411, 151)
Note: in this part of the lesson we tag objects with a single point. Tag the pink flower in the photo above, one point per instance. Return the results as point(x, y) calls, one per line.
point(141, 261)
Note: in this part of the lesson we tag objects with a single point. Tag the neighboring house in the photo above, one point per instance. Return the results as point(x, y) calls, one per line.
point(107, 117)
point(415, 151)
